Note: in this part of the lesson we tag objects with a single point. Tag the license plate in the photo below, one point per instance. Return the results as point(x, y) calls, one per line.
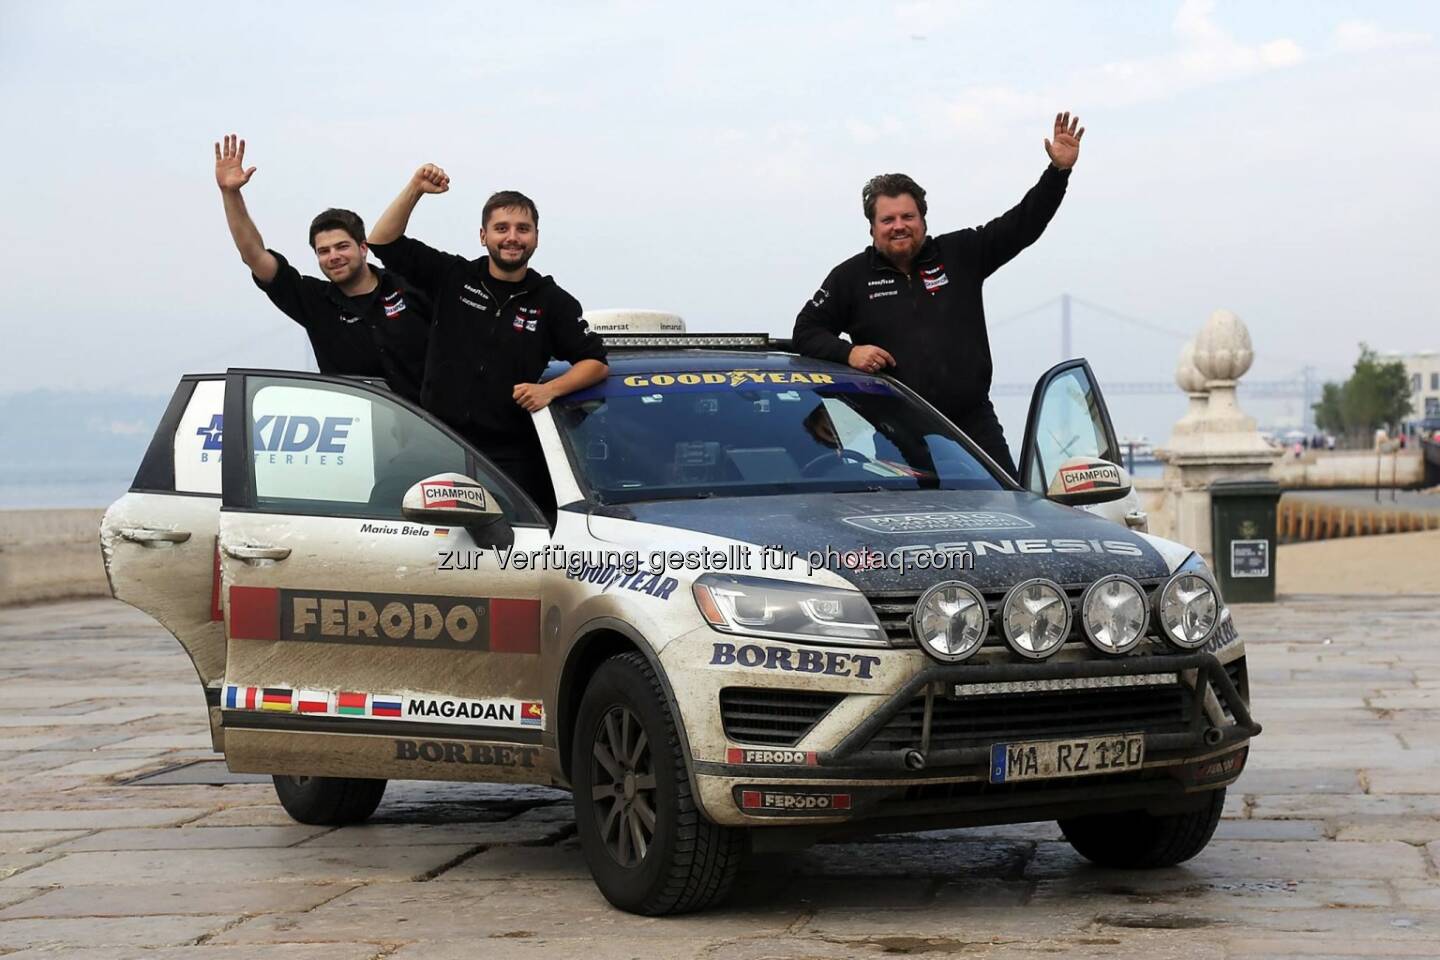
point(1042, 759)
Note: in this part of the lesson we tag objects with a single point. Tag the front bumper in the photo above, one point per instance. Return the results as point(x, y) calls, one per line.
point(921, 754)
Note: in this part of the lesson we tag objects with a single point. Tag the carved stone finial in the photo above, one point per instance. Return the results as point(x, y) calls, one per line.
point(1223, 350)
point(1187, 376)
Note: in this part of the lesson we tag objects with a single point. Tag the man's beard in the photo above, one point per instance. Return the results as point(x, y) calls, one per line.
point(507, 264)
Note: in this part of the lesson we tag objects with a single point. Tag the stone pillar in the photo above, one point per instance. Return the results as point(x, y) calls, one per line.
point(1215, 440)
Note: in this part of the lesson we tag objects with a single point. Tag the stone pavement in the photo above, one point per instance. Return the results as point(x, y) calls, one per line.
point(1329, 847)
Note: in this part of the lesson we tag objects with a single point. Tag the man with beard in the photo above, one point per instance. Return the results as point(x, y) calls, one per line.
point(364, 321)
point(497, 325)
point(912, 303)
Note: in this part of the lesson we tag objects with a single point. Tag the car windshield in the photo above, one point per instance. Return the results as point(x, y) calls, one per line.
point(728, 433)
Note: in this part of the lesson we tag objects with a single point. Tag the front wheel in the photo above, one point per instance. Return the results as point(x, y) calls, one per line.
point(1140, 840)
point(647, 845)
point(329, 801)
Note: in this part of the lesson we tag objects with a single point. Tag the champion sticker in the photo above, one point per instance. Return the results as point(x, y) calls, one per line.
point(452, 495)
point(1096, 475)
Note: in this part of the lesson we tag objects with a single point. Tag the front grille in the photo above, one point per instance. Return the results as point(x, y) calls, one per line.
point(960, 722)
point(773, 718)
point(1239, 676)
point(894, 610)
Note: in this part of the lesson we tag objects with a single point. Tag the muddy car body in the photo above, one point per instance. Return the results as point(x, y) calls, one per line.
point(781, 602)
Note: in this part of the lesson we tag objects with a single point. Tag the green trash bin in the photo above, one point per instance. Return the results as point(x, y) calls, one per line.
point(1242, 527)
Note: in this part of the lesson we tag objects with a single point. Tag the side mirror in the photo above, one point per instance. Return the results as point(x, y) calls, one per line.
point(452, 500)
point(1082, 480)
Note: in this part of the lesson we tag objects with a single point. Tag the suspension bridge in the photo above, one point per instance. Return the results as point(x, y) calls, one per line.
point(1304, 386)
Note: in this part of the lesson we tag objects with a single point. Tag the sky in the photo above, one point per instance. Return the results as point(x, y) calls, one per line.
point(1277, 159)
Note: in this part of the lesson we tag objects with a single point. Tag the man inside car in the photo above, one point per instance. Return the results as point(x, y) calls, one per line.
point(912, 304)
point(361, 320)
point(498, 323)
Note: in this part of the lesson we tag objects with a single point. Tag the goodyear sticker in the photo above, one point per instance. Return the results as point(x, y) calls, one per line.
point(712, 380)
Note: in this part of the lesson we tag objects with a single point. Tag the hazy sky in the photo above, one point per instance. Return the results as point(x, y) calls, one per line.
point(1278, 158)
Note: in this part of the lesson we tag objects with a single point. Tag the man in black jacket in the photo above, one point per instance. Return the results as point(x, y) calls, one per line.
point(497, 325)
point(912, 303)
point(361, 320)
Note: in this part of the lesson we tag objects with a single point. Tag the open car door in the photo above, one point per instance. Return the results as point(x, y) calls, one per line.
point(159, 539)
point(1068, 419)
point(362, 642)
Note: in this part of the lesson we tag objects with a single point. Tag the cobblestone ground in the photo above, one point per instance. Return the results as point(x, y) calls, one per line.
point(1328, 848)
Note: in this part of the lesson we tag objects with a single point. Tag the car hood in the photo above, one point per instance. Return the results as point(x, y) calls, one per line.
point(1012, 536)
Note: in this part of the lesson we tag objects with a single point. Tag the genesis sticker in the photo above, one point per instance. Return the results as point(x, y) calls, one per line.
point(946, 522)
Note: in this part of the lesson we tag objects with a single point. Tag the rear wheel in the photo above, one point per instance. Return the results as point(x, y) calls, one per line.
point(329, 801)
point(1139, 840)
point(647, 845)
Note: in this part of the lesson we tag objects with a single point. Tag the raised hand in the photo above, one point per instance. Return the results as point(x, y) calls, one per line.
point(431, 179)
point(230, 172)
point(1066, 148)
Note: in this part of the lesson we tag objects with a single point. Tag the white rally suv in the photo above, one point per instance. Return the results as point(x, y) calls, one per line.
point(780, 602)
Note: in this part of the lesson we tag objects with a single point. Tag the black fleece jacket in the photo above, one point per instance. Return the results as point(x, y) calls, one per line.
point(486, 338)
point(933, 320)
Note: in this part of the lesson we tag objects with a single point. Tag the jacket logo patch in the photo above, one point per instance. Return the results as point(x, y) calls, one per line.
point(882, 293)
point(394, 304)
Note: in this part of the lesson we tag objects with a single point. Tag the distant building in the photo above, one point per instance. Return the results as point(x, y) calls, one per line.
point(1423, 369)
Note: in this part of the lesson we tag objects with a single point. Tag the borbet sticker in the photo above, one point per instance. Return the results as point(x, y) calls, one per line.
point(770, 755)
point(479, 754)
point(1092, 476)
point(793, 801)
point(453, 495)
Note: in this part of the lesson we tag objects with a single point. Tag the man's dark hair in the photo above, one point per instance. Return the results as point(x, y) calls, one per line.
point(337, 219)
point(508, 198)
point(890, 185)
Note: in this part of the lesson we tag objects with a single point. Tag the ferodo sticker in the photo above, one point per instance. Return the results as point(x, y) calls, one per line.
point(792, 801)
point(770, 755)
point(453, 495)
point(494, 625)
point(1094, 475)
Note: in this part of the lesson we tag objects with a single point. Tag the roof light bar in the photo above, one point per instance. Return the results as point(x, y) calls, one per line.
point(646, 341)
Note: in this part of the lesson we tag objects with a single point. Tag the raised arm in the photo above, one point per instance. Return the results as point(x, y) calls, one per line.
point(392, 223)
point(1005, 236)
point(230, 176)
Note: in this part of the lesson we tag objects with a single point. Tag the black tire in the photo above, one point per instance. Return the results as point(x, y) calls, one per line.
point(686, 863)
point(1139, 840)
point(329, 801)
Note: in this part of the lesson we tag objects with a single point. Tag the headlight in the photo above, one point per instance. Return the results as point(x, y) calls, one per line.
point(791, 611)
point(1113, 613)
point(950, 621)
point(1036, 618)
point(1188, 607)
